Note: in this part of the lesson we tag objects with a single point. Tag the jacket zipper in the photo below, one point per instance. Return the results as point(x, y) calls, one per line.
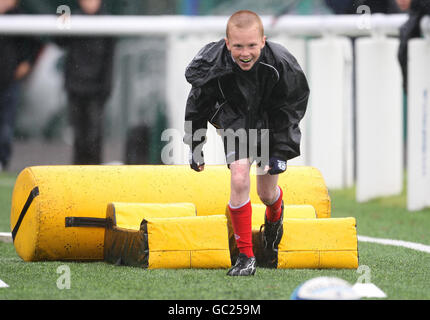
point(216, 112)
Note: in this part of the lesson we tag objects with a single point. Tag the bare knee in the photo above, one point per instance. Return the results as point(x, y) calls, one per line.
point(240, 182)
point(267, 195)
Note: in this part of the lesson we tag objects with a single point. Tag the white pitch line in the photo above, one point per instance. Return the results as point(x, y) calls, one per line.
point(3, 284)
point(5, 237)
point(397, 243)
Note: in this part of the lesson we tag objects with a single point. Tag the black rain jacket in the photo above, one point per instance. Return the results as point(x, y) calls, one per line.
point(277, 100)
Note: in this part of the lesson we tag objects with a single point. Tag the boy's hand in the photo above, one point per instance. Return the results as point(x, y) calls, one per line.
point(196, 164)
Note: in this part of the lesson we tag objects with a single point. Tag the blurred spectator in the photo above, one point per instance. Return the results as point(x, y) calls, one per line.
point(411, 29)
point(17, 55)
point(351, 6)
point(88, 82)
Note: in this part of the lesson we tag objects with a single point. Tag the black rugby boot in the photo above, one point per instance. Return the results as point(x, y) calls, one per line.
point(244, 266)
point(271, 237)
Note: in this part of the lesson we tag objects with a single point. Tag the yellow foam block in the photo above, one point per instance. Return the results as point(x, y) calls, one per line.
point(184, 242)
point(290, 212)
point(310, 243)
point(45, 196)
point(319, 243)
point(195, 242)
point(124, 243)
point(130, 215)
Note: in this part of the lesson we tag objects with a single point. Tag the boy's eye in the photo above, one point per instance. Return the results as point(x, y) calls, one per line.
point(239, 46)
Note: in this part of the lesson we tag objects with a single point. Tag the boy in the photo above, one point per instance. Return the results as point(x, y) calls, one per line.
point(245, 84)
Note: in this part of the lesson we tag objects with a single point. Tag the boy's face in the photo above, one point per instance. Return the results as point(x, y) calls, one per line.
point(90, 6)
point(245, 45)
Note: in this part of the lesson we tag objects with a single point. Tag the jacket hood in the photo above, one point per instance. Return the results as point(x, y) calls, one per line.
point(211, 62)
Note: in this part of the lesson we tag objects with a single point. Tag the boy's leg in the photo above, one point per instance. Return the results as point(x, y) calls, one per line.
point(240, 205)
point(271, 195)
point(241, 218)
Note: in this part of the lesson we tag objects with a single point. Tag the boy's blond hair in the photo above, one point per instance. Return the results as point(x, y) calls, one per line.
point(244, 19)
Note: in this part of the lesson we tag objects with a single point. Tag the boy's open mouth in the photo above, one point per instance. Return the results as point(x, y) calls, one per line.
point(245, 60)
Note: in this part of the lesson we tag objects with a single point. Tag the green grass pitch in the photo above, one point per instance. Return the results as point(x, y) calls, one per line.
point(400, 272)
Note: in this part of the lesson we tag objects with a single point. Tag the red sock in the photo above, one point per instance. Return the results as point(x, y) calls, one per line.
point(241, 219)
point(273, 212)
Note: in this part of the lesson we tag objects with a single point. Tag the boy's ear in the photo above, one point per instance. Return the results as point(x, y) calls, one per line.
point(227, 43)
point(264, 42)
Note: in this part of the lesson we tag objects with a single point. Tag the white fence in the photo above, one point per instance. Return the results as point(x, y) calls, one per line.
point(336, 137)
point(330, 110)
point(379, 119)
point(418, 166)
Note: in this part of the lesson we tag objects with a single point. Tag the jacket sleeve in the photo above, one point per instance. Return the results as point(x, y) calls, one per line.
point(199, 104)
point(288, 106)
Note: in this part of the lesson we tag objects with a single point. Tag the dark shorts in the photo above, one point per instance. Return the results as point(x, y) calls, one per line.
point(241, 145)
